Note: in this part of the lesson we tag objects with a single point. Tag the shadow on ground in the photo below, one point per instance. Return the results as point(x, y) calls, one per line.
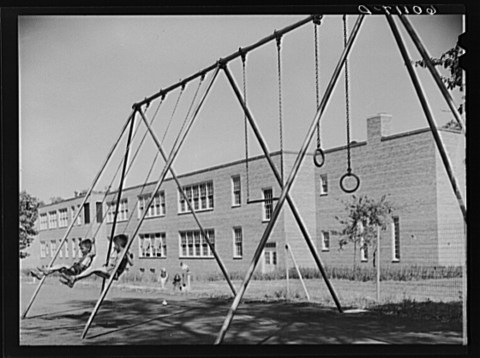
point(136, 320)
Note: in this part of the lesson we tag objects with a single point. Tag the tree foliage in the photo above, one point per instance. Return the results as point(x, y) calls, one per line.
point(449, 60)
point(28, 213)
point(363, 216)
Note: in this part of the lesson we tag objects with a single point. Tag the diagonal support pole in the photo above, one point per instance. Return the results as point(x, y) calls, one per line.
point(428, 115)
point(190, 207)
point(74, 219)
point(119, 195)
point(279, 179)
point(289, 182)
point(427, 59)
point(169, 162)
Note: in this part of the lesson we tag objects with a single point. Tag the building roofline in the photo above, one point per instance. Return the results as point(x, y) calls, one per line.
point(68, 199)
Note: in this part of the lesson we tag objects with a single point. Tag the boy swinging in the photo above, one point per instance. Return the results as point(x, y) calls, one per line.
point(105, 271)
point(87, 248)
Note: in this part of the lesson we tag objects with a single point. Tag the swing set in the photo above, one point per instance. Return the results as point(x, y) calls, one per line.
point(140, 109)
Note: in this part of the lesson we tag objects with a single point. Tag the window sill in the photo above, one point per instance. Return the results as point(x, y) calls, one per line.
point(395, 261)
point(323, 194)
point(236, 206)
point(154, 217)
point(152, 257)
point(237, 257)
point(265, 221)
point(196, 257)
point(196, 211)
point(325, 250)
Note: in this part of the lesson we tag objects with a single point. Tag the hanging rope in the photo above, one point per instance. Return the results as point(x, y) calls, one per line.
point(318, 156)
point(243, 56)
point(280, 117)
point(158, 153)
point(107, 192)
point(190, 108)
point(347, 115)
point(173, 112)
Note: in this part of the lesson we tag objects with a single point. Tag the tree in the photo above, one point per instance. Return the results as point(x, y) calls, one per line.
point(450, 60)
point(28, 213)
point(360, 226)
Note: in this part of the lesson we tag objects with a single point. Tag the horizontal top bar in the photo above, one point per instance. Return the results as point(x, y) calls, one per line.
point(225, 60)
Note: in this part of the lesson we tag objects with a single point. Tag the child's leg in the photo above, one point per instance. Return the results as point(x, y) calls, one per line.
point(49, 270)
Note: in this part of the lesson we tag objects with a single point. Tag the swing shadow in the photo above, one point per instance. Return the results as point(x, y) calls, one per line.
point(139, 323)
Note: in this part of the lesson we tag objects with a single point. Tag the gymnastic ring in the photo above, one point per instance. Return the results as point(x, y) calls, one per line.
point(349, 174)
point(319, 152)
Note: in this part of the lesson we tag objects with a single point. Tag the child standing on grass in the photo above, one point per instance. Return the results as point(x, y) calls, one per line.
point(87, 247)
point(120, 243)
point(163, 277)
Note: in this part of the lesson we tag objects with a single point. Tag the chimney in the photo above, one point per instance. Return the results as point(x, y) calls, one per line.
point(378, 126)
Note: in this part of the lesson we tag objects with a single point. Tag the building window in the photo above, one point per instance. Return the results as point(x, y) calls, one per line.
point(152, 245)
point(52, 219)
point(323, 184)
point(80, 216)
point(156, 209)
point(66, 248)
point(199, 195)
point(43, 249)
point(86, 213)
point(396, 239)
point(237, 242)
point(192, 243)
point(43, 222)
point(53, 247)
point(236, 191)
point(267, 204)
point(62, 218)
point(122, 211)
point(74, 248)
point(363, 250)
point(325, 238)
point(270, 253)
point(99, 211)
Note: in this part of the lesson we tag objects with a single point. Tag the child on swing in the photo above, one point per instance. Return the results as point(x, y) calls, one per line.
point(87, 247)
point(105, 271)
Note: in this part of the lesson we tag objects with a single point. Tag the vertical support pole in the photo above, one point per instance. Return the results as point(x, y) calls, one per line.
point(74, 219)
point(286, 270)
point(291, 177)
point(169, 162)
point(120, 189)
point(378, 263)
point(429, 116)
point(190, 207)
point(289, 249)
point(427, 59)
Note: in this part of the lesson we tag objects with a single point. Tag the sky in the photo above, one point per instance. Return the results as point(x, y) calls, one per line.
point(80, 76)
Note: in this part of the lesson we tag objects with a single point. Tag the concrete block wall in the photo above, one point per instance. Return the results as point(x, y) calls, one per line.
point(401, 166)
point(451, 234)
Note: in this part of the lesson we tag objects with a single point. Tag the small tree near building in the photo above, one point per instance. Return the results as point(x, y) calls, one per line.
point(28, 213)
point(360, 225)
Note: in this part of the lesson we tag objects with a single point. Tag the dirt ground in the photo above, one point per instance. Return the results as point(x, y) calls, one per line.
point(137, 317)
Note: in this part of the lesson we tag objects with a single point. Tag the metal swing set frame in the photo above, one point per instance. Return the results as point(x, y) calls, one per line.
point(222, 65)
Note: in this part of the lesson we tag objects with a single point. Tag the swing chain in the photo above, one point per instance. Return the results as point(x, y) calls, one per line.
point(280, 114)
point(347, 113)
point(317, 81)
point(347, 99)
point(243, 56)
